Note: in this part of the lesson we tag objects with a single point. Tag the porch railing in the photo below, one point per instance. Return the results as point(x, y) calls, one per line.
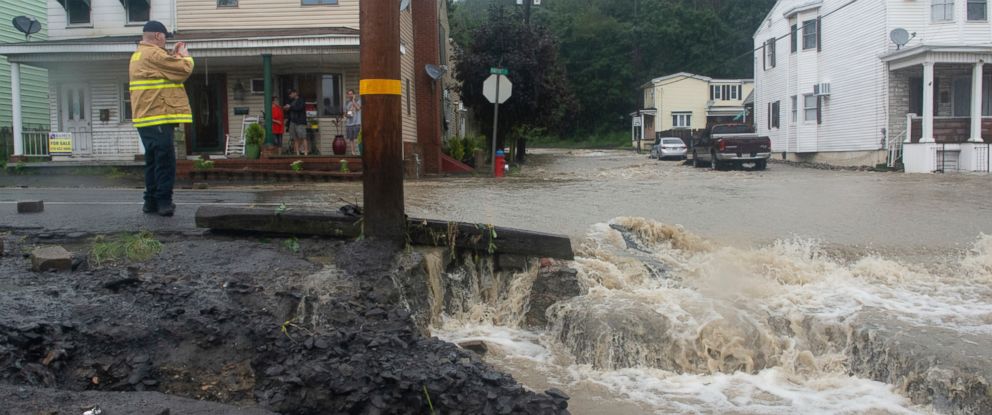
point(35, 142)
point(893, 146)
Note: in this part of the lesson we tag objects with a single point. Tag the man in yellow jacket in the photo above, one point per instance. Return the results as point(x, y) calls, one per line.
point(158, 104)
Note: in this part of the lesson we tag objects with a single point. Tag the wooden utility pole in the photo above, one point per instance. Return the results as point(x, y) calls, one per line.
point(381, 91)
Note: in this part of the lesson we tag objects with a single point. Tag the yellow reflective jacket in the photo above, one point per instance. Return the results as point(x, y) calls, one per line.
point(157, 93)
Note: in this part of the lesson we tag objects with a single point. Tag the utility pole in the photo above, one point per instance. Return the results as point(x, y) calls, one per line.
point(380, 88)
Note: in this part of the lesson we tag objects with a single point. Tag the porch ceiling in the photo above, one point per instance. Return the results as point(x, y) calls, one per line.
point(329, 41)
point(917, 55)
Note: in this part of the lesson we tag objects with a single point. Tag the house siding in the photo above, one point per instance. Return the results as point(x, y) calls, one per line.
point(34, 81)
point(107, 17)
point(853, 116)
point(264, 14)
point(115, 139)
point(408, 71)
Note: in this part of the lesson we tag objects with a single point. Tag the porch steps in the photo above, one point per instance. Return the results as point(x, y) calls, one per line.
point(271, 175)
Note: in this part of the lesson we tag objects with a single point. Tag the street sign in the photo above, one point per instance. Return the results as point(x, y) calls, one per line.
point(499, 71)
point(489, 89)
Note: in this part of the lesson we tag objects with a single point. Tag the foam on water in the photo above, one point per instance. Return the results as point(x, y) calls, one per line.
point(684, 325)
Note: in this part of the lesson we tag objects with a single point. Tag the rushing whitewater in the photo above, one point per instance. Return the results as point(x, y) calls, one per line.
point(674, 323)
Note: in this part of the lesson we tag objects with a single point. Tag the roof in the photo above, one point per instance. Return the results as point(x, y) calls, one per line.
point(693, 76)
point(202, 35)
point(205, 43)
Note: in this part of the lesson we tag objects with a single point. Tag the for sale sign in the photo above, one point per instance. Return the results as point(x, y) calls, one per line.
point(60, 144)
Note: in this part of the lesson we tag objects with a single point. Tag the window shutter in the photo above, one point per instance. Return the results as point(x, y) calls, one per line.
point(819, 34)
point(711, 92)
point(819, 110)
point(769, 115)
point(764, 56)
point(795, 38)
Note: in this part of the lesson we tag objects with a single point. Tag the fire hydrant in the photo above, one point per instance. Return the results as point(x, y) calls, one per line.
point(500, 163)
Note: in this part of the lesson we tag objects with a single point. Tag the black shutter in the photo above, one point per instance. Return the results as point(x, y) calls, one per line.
point(764, 56)
point(795, 38)
point(769, 115)
point(819, 110)
point(711, 92)
point(819, 34)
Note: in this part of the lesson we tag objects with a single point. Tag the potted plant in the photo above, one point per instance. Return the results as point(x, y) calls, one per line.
point(254, 136)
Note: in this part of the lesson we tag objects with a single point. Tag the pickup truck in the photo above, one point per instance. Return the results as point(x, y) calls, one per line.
point(725, 145)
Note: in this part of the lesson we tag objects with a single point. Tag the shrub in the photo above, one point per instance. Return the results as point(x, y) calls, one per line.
point(254, 135)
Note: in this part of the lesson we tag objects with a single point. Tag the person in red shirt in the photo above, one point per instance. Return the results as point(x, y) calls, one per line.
point(278, 122)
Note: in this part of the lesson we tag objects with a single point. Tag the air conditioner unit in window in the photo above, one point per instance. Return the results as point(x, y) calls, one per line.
point(822, 89)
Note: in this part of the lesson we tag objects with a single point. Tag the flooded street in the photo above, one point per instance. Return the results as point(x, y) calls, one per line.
point(786, 291)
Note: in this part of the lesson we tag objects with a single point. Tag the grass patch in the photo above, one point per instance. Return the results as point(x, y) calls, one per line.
point(137, 247)
point(614, 140)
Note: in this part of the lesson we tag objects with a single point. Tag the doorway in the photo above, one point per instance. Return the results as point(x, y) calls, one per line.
point(208, 101)
point(75, 117)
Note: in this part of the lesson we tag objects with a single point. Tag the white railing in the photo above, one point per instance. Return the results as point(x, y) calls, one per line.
point(35, 143)
point(893, 146)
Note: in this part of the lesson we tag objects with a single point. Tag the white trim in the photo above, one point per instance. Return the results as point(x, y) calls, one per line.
point(815, 4)
point(197, 45)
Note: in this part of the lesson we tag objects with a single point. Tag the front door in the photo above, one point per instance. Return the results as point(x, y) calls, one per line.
point(208, 101)
point(76, 117)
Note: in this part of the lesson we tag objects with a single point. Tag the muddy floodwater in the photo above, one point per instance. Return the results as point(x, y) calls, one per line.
point(785, 291)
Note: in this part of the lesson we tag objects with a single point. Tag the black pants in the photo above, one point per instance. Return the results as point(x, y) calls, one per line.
point(160, 163)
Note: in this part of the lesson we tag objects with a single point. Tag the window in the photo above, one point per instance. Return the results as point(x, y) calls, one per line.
point(138, 10)
point(811, 105)
point(774, 115)
point(227, 3)
point(322, 93)
point(332, 102)
point(681, 119)
point(809, 34)
point(977, 10)
point(795, 109)
point(77, 11)
point(794, 37)
point(312, 2)
point(715, 92)
point(942, 10)
point(770, 53)
point(258, 87)
point(125, 102)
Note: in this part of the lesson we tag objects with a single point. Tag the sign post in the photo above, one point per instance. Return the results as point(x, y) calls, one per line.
point(497, 89)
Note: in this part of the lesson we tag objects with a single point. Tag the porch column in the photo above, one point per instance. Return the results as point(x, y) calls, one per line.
point(927, 136)
point(270, 139)
point(15, 102)
point(976, 103)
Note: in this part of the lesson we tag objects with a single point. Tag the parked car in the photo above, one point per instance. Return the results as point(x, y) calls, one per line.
point(669, 147)
point(725, 145)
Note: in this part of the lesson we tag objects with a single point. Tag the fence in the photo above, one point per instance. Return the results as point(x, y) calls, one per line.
point(35, 142)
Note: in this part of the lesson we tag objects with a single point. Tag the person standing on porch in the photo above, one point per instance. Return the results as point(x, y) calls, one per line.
point(297, 109)
point(159, 103)
point(353, 111)
point(278, 118)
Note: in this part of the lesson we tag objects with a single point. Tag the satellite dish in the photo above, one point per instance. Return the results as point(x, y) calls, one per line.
point(404, 4)
point(900, 37)
point(27, 25)
point(435, 72)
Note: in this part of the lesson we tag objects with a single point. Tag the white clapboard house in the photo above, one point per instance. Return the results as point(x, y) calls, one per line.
point(867, 82)
point(308, 45)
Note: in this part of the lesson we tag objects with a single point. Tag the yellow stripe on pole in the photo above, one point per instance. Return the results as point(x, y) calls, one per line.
point(380, 87)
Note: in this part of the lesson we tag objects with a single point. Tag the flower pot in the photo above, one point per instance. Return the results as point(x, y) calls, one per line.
point(252, 151)
point(340, 146)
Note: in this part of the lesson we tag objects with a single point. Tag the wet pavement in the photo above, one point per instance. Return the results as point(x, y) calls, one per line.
point(566, 191)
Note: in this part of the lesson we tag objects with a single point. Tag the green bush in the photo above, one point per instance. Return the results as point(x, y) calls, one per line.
point(474, 143)
point(457, 149)
point(254, 135)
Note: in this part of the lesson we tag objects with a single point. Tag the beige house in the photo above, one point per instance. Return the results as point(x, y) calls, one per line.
point(244, 50)
point(685, 101)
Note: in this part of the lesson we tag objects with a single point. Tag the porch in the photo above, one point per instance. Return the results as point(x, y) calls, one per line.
point(234, 77)
point(940, 117)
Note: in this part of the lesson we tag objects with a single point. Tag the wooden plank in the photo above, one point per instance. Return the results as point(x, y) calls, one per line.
point(476, 237)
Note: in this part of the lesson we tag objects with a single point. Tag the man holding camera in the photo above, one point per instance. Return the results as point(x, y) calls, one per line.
point(158, 104)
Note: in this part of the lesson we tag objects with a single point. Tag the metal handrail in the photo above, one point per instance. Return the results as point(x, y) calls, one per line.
point(894, 147)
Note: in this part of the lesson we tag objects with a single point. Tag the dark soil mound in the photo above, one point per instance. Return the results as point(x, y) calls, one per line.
point(248, 324)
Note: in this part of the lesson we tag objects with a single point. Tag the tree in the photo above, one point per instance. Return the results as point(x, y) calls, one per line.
point(541, 97)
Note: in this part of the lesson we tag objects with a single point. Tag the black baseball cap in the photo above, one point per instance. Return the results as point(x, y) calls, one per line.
point(155, 26)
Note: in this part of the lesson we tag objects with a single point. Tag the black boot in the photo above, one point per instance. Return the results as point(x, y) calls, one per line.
point(167, 210)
